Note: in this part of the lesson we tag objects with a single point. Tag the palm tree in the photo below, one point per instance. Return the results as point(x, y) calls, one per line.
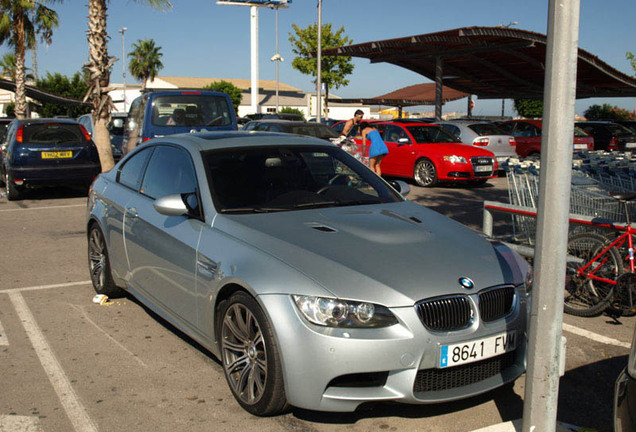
point(20, 22)
point(98, 69)
point(145, 61)
point(8, 68)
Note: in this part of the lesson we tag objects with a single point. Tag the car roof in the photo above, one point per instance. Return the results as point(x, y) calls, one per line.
point(204, 141)
point(407, 123)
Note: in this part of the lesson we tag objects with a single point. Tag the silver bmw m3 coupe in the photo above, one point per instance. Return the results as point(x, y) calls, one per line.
point(313, 280)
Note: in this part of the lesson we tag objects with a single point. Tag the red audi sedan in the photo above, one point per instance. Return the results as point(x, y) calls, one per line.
point(429, 155)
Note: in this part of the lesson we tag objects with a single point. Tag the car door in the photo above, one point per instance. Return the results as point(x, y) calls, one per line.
point(400, 145)
point(162, 249)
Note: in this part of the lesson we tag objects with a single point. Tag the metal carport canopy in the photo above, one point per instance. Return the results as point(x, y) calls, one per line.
point(43, 95)
point(418, 94)
point(490, 62)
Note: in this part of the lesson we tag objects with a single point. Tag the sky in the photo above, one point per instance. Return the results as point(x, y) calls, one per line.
point(199, 38)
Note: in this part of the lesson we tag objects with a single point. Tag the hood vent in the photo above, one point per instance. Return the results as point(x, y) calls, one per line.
point(323, 228)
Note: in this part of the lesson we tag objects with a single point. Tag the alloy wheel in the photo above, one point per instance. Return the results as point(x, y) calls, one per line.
point(425, 174)
point(244, 353)
point(97, 259)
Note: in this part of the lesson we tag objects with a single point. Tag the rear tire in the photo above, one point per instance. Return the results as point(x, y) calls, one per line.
point(12, 191)
point(425, 173)
point(583, 296)
point(99, 264)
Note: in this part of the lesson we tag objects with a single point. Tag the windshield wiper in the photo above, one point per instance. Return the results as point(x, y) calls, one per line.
point(253, 209)
point(360, 202)
point(316, 204)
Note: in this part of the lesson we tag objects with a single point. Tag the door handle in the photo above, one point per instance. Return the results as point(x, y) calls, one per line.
point(132, 212)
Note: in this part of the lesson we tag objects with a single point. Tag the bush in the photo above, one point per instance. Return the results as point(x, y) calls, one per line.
point(62, 85)
point(227, 87)
point(529, 107)
point(290, 110)
point(608, 112)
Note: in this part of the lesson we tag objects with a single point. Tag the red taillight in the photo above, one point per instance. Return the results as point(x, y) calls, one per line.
point(144, 139)
point(19, 135)
point(613, 144)
point(481, 142)
point(18, 182)
point(512, 141)
point(87, 136)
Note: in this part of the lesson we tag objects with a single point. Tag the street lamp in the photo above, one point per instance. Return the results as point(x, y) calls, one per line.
point(276, 57)
point(123, 61)
point(319, 66)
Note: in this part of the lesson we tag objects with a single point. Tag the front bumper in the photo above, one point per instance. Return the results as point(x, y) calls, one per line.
point(329, 369)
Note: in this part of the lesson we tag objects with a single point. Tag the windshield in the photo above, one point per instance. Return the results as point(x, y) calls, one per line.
point(277, 178)
point(431, 134)
point(580, 133)
point(187, 110)
point(53, 133)
point(482, 129)
point(619, 130)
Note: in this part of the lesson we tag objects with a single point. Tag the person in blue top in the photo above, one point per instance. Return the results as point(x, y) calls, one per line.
point(377, 148)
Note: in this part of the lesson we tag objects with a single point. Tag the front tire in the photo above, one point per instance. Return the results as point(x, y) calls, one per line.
point(99, 265)
point(584, 296)
point(250, 357)
point(425, 173)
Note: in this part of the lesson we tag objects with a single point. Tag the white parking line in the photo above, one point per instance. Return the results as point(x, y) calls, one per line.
point(594, 336)
point(42, 208)
point(43, 287)
point(3, 339)
point(81, 310)
point(14, 423)
point(516, 425)
point(70, 401)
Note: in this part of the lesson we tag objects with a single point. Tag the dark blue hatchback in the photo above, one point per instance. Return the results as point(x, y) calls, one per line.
point(47, 152)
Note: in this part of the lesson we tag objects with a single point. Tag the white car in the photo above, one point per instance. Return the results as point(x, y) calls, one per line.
point(483, 134)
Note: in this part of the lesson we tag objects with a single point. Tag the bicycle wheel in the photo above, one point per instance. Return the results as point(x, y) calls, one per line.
point(583, 295)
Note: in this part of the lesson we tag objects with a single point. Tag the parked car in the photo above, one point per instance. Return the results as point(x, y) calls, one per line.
point(264, 248)
point(429, 154)
point(115, 128)
point(321, 131)
point(326, 121)
point(630, 124)
point(276, 116)
point(4, 125)
point(483, 134)
point(169, 112)
point(625, 394)
point(47, 152)
point(527, 133)
point(609, 136)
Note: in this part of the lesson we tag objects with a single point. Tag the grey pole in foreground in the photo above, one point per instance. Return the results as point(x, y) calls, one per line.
point(544, 348)
point(123, 62)
point(319, 66)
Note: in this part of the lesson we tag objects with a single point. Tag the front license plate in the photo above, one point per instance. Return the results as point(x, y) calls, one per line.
point(480, 349)
point(57, 155)
point(630, 145)
point(483, 168)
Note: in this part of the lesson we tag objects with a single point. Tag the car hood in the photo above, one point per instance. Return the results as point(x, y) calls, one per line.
point(391, 254)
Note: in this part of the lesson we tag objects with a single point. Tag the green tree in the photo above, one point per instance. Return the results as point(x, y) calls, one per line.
point(334, 69)
point(8, 68)
point(62, 85)
point(145, 61)
point(529, 107)
point(233, 91)
point(290, 110)
point(607, 112)
point(632, 60)
point(98, 68)
point(20, 22)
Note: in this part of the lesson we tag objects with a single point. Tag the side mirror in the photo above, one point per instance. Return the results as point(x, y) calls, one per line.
point(171, 205)
point(400, 186)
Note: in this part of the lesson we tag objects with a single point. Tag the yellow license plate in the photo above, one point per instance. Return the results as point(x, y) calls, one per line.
point(57, 155)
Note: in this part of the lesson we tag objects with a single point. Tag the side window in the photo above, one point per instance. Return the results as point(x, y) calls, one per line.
point(131, 172)
point(394, 133)
point(170, 171)
point(506, 127)
point(133, 114)
point(452, 129)
point(525, 130)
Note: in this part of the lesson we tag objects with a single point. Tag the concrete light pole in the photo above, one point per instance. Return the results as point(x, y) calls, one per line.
point(277, 57)
point(123, 61)
point(319, 66)
point(503, 101)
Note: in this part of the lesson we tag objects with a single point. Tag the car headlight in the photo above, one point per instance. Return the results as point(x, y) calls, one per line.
point(332, 312)
point(455, 159)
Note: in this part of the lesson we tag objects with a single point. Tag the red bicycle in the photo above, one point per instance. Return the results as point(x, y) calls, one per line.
point(601, 272)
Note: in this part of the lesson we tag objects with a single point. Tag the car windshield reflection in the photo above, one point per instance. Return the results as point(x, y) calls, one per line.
point(273, 179)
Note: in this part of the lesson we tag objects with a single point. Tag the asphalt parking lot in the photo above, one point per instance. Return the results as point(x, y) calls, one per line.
point(71, 365)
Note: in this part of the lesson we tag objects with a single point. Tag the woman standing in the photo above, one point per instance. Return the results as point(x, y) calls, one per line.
point(377, 149)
